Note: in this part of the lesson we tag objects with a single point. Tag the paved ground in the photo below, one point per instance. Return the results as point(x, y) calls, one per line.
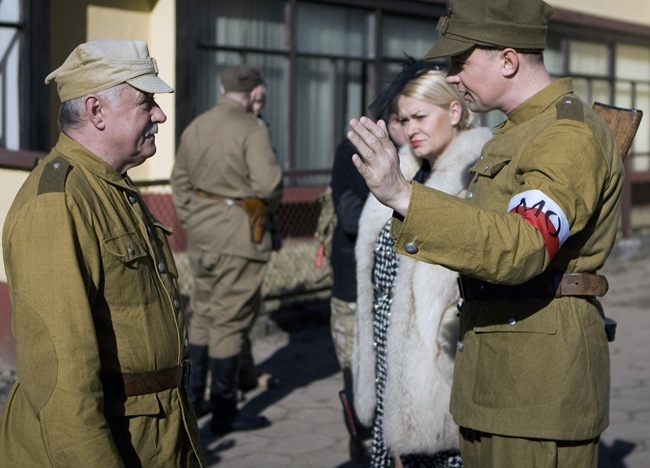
point(626, 443)
point(307, 428)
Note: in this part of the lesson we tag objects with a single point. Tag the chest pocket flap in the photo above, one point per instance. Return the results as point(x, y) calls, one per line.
point(126, 247)
point(489, 167)
point(128, 266)
point(166, 229)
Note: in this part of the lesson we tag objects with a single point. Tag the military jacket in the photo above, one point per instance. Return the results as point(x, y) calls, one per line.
point(94, 293)
point(545, 195)
point(225, 151)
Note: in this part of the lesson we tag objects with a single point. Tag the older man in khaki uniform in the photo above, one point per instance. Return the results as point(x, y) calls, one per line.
point(225, 181)
point(531, 384)
point(97, 314)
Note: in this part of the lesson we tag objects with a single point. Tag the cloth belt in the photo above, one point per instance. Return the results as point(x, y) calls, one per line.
point(218, 198)
point(126, 385)
point(544, 285)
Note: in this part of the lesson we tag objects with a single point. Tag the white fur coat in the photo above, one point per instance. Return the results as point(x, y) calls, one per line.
point(422, 334)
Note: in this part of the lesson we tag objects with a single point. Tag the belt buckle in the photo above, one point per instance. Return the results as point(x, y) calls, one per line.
point(184, 377)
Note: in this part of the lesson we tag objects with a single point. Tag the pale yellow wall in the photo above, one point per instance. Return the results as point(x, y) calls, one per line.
point(158, 28)
point(162, 40)
point(10, 181)
point(630, 11)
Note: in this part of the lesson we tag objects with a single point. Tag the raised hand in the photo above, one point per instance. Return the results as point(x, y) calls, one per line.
point(378, 163)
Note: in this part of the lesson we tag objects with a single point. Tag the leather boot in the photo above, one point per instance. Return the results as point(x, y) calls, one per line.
point(226, 417)
point(359, 453)
point(247, 373)
point(198, 377)
point(249, 377)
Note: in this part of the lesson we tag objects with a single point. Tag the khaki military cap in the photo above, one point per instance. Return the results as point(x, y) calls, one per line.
point(242, 78)
point(98, 65)
point(520, 24)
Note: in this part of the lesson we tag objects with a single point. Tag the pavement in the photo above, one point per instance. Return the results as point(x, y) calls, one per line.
point(308, 429)
point(294, 344)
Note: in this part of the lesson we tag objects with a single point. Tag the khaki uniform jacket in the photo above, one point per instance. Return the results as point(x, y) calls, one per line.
point(94, 293)
point(225, 151)
point(538, 367)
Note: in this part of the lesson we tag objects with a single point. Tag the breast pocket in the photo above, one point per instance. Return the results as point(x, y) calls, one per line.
point(129, 273)
point(489, 167)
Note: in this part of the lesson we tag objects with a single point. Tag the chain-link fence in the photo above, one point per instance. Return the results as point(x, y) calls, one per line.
point(293, 275)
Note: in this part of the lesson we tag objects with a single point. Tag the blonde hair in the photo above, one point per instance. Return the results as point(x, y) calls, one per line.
point(432, 87)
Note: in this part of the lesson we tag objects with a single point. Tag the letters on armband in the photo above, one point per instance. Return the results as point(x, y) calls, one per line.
point(541, 212)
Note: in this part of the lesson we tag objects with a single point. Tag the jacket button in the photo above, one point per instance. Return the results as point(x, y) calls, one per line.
point(512, 322)
point(459, 346)
point(469, 195)
point(411, 248)
point(162, 268)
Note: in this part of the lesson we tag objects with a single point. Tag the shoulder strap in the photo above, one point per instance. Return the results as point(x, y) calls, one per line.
point(54, 176)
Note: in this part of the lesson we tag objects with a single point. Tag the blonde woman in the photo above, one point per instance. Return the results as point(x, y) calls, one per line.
point(406, 311)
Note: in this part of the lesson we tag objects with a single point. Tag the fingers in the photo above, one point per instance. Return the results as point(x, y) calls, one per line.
point(357, 139)
point(360, 165)
point(370, 138)
point(368, 133)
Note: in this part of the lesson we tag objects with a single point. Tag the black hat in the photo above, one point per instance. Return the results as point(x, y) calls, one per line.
point(410, 69)
point(520, 24)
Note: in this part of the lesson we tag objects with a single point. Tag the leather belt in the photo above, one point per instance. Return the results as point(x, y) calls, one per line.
point(256, 209)
point(126, 385)
point(544, 285)
point(218, 198)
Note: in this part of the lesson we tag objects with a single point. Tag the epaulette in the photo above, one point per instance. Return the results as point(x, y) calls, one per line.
point(53, 176)
point(570, 108)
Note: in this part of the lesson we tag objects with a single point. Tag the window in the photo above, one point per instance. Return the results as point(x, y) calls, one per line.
point(331, 45)
point(407, 35)
point(633, 90)
point(325, 62)
point(9, 74)
point(321, 62)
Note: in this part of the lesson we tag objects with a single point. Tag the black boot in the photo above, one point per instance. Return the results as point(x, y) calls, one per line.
point(223, 395)
point(198, 377)
point(358, 432)
point(249, 377)
point(247, 374)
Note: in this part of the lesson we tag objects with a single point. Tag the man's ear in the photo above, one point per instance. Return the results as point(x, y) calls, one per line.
point(509, 62)
point(95, 111)
point(455, 112)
